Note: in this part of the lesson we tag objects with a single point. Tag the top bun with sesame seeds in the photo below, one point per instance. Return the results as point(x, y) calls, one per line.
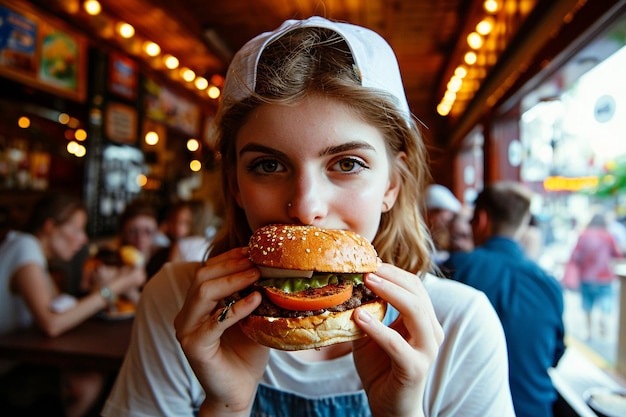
point(311, 282)
point(308, 248)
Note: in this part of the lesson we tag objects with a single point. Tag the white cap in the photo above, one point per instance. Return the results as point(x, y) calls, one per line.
point(374, 59)
point(439, 197)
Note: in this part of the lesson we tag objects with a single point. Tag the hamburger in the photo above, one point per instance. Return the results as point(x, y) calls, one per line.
point(311, 282)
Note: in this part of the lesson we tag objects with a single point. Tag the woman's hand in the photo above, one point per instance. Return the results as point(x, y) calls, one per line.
point(404, 352)
point(227, 363)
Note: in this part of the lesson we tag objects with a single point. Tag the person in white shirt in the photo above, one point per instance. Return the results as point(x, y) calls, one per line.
point(314, 129)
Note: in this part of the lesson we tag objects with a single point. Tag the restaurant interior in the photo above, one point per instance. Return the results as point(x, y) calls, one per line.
point(114, 100)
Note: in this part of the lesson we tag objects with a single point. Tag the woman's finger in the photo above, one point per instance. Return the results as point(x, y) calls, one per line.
point(204, 297)
point(407, 294)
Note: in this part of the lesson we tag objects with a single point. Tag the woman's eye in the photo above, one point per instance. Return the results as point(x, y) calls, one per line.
point(350, 165)
point(266, 166)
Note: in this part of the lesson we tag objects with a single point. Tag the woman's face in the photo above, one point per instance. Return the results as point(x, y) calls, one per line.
point(313, 163)
point(68, 238)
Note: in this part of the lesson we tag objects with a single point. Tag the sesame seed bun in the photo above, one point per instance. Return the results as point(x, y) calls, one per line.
point(306, 248)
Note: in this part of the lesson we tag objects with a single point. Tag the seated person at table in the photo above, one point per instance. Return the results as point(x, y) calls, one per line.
point(132, 247)
point(29, 296)
point(194, 247)
point(528, 301)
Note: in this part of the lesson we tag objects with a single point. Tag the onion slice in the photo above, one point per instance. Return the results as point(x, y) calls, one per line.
point(269, 272)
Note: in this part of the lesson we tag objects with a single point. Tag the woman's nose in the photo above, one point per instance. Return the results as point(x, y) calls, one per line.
point(308, 202)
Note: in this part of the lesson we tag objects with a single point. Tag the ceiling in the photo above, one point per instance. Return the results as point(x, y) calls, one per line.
point(428, 36)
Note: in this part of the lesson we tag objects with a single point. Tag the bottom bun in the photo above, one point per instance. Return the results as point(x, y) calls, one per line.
point(309, 332)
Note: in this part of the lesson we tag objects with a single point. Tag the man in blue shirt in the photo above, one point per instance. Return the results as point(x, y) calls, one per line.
point(528, 301)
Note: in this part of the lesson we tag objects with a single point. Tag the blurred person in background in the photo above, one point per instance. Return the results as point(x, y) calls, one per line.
point(30, 297)
point(203, 228)
point(528, 301)
point(593, 256)
point(617, 229)
point(441, 206)
point(532, 239)
point(461, 236)
point(176, 224)
point(137, 228)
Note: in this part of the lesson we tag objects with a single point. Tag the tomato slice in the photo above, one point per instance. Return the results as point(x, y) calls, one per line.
point(312, 298)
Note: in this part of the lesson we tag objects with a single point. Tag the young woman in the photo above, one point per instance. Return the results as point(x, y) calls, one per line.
point(314, 129)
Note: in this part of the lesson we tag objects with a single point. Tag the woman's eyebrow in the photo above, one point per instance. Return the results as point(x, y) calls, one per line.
point(348, 146)
point(331, 150)
point(255, 147)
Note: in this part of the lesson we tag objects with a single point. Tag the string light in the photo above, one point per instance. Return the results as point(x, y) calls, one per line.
point(491, 6)
point(195, 165)
point(170, 61)
point(92, 7)
point(201, 83)
point(193, 145)
point(125, 30)
point(213, 92)
point(23, 122)
point(187, 74)
point(151, 48)
point(152, 138)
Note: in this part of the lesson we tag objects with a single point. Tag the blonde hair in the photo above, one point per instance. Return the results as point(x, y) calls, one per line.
point(317, 61)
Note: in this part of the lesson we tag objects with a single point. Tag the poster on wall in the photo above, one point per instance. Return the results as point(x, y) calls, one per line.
point(36, 51)
point(165, 106)
point(18, 42)
point(121, 123)
point(123, 75)
point(60, 55)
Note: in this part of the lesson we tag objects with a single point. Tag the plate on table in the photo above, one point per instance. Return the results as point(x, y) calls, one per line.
point(606, 402)
point(123, 310)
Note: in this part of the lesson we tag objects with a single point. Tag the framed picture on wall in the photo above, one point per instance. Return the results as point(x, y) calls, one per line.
point(40, 52)
point(123, 76)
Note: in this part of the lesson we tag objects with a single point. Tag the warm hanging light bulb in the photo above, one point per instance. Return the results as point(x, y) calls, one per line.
point(80, 151)
point(470, 58)
point(193, 145)
point(151, 48)
point(152, 138)
point(23, 122)
point(92, 7)
point(213, 92)
point(460, 71)
point(454, 84)
point(474, 40)
point(485, 26)
point(201, 83)
point(491, 6)
point(125, 30)
point(443, 109)
point(187, 74)
point(195, 165)
point(64, 118)
point(141, 180)
point(170, 61)
point(80, 135)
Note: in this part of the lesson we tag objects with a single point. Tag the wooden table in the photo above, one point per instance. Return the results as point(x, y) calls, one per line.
point(95, 345)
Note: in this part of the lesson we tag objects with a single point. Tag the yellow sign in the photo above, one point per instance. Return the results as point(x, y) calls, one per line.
point(558, 183)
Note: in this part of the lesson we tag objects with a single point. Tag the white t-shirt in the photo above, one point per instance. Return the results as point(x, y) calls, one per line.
point(193, 248)
point(17, 249)
point(469, 377)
